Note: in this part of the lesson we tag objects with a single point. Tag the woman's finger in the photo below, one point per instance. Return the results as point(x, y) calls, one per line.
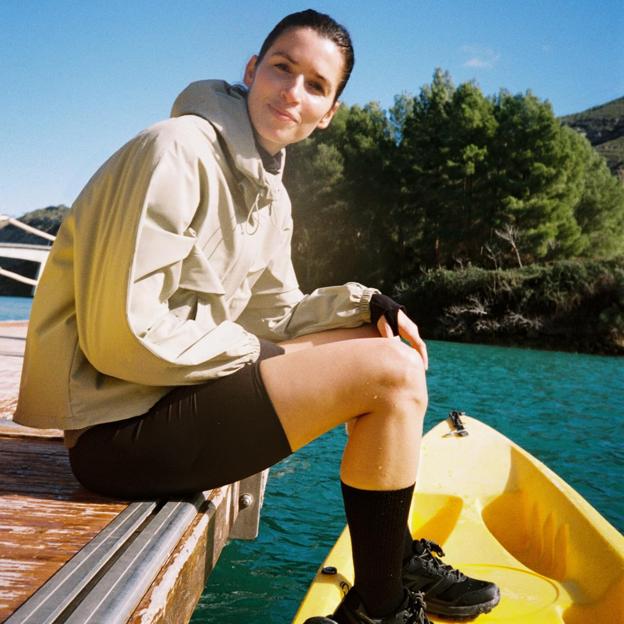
point(408, 330)
point(422, 349)
point(384, 329)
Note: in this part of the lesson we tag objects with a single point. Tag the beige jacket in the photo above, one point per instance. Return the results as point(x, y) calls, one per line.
point(174, 259)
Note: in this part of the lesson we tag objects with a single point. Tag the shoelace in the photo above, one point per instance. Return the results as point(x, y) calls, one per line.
point(433, 563)
point(417, 608)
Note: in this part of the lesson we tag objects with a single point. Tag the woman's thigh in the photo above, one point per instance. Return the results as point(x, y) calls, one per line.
point(315, 389)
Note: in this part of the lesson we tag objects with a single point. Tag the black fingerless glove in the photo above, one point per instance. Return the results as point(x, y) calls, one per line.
point(381, 305)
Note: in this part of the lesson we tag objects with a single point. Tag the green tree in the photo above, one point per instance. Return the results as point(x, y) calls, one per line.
point(447, 178)
point(314, 178)
point(370, 190)
point(466, 222)
point(425, 181)
point(598, 199)
point(445, 146)
point(528, 176)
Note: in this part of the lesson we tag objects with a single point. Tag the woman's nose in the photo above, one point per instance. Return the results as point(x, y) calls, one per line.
point(291, 91)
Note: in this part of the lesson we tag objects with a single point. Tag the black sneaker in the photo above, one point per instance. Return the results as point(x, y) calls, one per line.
point(446, 591)
point(352, 611)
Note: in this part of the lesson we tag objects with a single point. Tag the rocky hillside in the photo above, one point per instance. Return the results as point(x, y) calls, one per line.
point(604, 128)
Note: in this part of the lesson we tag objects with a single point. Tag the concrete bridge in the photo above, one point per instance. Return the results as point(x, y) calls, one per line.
point(22, 251)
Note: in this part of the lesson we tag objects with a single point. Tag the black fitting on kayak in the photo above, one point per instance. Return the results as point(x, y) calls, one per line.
point(455, 423)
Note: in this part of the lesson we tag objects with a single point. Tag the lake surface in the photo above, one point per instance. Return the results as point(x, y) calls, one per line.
point(14, 308)
point(566, 409)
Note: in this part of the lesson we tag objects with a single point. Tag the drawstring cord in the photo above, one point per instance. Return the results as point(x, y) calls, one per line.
point(250, 227)
point(275, 199)
point(254, 211)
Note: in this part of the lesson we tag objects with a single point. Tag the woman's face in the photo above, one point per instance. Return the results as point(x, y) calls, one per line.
point(292, 90)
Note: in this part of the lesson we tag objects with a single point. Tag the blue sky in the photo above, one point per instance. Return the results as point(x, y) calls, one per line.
point(79, 78)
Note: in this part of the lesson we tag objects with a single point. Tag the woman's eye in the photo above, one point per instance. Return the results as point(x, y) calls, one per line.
point(317, 87)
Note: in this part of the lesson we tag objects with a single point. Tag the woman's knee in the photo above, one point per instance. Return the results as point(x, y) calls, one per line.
point(401, 372)
point(400, 399)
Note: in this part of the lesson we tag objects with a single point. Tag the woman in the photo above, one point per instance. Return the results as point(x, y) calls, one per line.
point(170, 341)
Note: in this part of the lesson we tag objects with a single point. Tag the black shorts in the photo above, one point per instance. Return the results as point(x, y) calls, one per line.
point(195, 438)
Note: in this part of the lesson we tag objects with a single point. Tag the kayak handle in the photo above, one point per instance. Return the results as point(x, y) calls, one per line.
point(454, 421)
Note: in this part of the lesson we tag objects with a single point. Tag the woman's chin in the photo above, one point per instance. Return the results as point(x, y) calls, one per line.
point(273, 142)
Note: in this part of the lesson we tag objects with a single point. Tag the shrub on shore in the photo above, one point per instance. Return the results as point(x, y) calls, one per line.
point(573, 305)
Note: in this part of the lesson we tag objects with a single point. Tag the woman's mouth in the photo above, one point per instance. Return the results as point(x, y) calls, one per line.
point(282, 115)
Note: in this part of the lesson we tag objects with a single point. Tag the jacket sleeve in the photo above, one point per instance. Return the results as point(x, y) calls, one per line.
point(278, 310)
point(151, 308)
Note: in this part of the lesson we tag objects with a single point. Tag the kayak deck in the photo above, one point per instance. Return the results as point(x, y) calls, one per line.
point(501, 515)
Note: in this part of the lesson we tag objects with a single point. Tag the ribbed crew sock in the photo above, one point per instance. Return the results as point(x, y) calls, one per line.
point(408, 545)
point(377, 521)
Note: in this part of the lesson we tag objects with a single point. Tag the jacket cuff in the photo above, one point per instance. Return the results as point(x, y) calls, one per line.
point(364, 303)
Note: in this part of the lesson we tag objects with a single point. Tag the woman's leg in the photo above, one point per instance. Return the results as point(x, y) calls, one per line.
point(378, 386)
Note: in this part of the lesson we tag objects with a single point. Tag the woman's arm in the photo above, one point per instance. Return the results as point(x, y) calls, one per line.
point(278, 310)
point(150, 309)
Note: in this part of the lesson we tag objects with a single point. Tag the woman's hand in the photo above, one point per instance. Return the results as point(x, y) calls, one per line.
point(408, 330)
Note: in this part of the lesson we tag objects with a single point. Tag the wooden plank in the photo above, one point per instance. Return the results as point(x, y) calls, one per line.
point(46, 516)
point(51, 602)
point(12, 343)
point(8, 428)
point(177, 588)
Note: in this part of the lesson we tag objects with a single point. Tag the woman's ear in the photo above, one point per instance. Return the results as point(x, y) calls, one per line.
point(328, 116)
point(250, 71)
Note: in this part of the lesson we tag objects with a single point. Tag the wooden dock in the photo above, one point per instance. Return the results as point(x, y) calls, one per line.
point(67, 555)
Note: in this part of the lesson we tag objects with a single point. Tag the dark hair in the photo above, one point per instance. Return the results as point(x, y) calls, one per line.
point(325, 26)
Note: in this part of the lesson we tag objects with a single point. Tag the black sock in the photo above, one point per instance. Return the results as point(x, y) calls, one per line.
point(377, 521)
point(408, 545)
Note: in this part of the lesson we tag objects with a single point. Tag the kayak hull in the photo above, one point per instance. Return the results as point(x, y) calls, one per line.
point(502, 515)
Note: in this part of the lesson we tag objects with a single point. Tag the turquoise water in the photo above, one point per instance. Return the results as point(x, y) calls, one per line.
point(14, 308)
point(564, 408)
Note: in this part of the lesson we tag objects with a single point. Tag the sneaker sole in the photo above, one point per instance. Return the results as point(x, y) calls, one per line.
point(460, 611)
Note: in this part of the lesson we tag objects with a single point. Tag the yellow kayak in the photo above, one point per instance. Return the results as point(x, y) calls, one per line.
point(502, 515)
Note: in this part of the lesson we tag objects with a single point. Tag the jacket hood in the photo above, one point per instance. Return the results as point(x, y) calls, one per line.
point(225, 107)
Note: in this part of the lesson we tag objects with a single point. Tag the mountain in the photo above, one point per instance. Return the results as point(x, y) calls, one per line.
point(604, 128)
point(46, 219)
